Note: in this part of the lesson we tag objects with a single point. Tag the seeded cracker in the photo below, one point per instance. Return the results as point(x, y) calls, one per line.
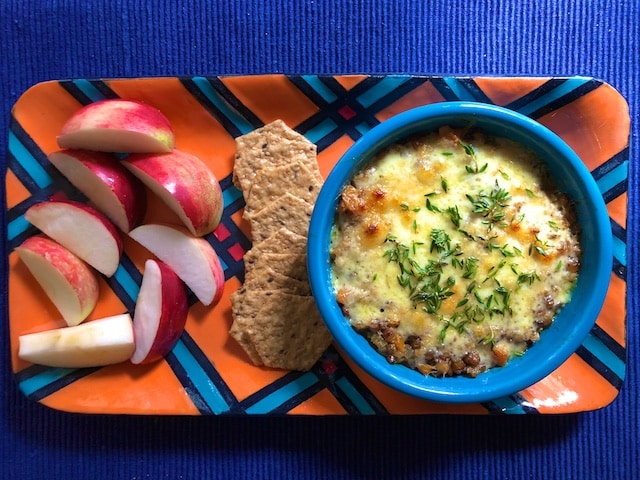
point(293, 265)
point(289, 333)
point(244, 312)
point(275, 317)
point(271, 146)
point(287, 211)
point(262, 278)
point(291, 178)
point(284, 240)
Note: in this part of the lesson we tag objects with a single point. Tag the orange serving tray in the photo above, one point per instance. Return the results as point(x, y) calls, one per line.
point(207, 373)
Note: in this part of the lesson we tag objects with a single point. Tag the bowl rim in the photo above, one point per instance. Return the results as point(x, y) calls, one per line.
point(489, 385)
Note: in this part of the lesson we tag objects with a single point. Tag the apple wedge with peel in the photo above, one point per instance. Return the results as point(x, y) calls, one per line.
point(109, 186)
point(160, 313)
point(118, 125)
point(185, 184)
point(96, 343)
point(68, 281)
point(192, 258)
point(82, 229)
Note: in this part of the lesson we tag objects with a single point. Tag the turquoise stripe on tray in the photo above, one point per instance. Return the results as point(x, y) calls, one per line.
point(321, 130)
point(508, 405)
point(224, 107)
point(31, 385)
point(277, 398)
point(613, 177)
point(27, 160)
point(89, 89)
point(355, 396)
point(205, 388)
point(605, 355)
point(127, 283)
point(320, 87)
point(381, 89)
point(458, 88)
point(620, 250)
point(558, 89)
point(16, 227)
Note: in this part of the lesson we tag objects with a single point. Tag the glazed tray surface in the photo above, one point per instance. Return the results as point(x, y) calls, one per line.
point(207, 373)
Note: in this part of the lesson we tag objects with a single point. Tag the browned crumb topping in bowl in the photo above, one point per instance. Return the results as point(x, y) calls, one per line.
point(452, 251)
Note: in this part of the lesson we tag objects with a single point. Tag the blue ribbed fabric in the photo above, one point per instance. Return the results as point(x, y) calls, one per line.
point(58, 39)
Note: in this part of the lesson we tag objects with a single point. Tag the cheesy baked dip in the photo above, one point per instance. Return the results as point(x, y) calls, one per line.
point(452, 251)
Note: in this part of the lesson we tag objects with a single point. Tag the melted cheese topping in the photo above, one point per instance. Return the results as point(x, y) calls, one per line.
point(451, 256)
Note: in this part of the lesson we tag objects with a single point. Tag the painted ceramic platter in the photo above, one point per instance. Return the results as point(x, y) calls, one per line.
point(207, 373)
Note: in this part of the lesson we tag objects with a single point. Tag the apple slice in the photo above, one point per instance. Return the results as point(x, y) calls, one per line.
point(118, 125)
point(82, 229)
point(106, 183)
point(68, 281)
point(185, 184)
point(160, 314)
point(96, 343)
point(192, 258)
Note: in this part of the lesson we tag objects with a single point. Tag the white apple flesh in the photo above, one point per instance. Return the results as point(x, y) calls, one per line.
point(68, 281)
point(117, 125)
point(185, 184)
point(82, 229)
point(109, 186)
point(192, 258)
point(160, 313)
point(97, 343)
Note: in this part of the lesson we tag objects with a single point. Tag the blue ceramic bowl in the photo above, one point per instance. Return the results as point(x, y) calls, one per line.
point(570, 326)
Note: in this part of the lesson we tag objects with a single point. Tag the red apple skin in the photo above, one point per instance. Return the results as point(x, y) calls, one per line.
point(106, 183)
point(192, 258)
point(185, 184)
point(118, 125)
point(173, 315)
point(76, 272)
point(41, 213)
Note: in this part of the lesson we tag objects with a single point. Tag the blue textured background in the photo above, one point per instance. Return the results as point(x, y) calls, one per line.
point(48, 39)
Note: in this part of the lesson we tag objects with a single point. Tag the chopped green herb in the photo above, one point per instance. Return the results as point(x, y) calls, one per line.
point(470, 267)
point(528, 278)
point(468, 148)
point(538, 246)
point(431, 207)
point(454, 215)
point(504, 174)
point(440, 240)
point(471, 152)
point(491, 206)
